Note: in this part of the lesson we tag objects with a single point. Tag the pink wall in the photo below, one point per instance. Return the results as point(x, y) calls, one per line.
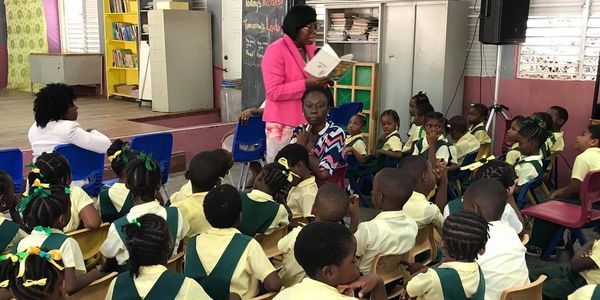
point(525, 96)
point(3, 66)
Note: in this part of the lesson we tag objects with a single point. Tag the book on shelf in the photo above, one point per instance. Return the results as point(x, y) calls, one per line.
point(327, 63)
point(119, 6)
point(124, 31)
point(124, 58)
point(340, 15)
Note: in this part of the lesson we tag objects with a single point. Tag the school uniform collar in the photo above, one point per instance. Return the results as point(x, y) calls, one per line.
point(54, 230)
point(223, 231)
point(119, 186)
point(154, 269)
point(465, 138)
point(353, 137)
point(416, 196)
point(391, 133)
point(142, 208)
point(317, 285)
point(259, 196)
point(199, 195)
point(514, 146)
point(306, 182)
point(473, 127)
point(558, 134)
point(461, 265)
point(592, 149)
point(391, 214)
point(530, 158)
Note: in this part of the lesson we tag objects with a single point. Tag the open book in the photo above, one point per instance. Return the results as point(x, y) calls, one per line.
point(327, 63)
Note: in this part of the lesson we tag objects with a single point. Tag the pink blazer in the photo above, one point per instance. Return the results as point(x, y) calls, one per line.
point(283, 76)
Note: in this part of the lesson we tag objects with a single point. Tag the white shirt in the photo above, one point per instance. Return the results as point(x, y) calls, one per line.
point(503, 263)
point(65, 132)
point(509, 217)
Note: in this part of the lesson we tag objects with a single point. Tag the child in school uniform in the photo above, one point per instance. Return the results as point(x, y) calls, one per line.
point(464, 236)
point(476, 116)
point(588, 144)
point(417, 99)
point(464, 141)
point(263, 209)
point(149, 242)
point(46, 211)
point(204, 174)
point(53, 168)
point(10, 229)
point(434, 146)
point(512, 136)
point(222, 259)
point(529, 166)
point(331, 205)
point(355, 145)
point(391, 231)
point(327, 253)
point(546, 123)
point(503, 263)
point(419, 131)
point(587, 292)
point(116, 201)
point(301, 196)
point(560, 116)
point(143, 179)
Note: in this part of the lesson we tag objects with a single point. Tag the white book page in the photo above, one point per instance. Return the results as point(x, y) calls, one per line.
point(323, 62)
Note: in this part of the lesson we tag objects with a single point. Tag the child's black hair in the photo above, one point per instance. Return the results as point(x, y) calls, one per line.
point(321, 244)
point(45, 208)
point(392, 113)
point(143, 178)
point(36, 268)
point(6, 184)
point(362, 118)
point(546, 118)
point(414, 166)
point(464, 233)
point(222, 206)
point(7, 267)
point(437, 116)
point(119, 162)
point(481, 109)
point(226, 160)
point(420, 97)
point(490, 195)
point(296, 18)
point(532, 130)
point(325, 91)
point(54, 169)
point(562, 112)
point(294, 153)
point(275, 176)
point(595, 132)
point(496, 169)
point(52, 102)
point(458, 124)
point(204, 170)
point(519, 119)
point(148, 241)
point(423, 108)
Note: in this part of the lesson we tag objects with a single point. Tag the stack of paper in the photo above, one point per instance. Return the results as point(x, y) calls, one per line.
point(361, 27)
point(341, 23)
point(374, 34)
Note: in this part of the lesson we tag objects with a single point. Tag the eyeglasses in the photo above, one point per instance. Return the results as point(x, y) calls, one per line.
point(310, 29)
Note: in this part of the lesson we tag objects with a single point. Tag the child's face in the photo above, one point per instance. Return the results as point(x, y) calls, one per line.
point(347, 271)
point(434, 126)
point(542, 124)
point(419, 118)
point(455, 135)
point(513, 132)
point(388, 124)
point(585, 141)
point(556, 120)
point(301, 170)
point(355, 126)
point(315, 109)
point(473, 116)
point(72, 113)
point(412, 104)
point(528, 146)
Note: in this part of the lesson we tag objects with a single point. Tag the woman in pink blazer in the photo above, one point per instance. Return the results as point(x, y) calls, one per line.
point(285, 79)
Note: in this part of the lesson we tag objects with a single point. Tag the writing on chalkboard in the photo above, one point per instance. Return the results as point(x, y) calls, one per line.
point(264, 3)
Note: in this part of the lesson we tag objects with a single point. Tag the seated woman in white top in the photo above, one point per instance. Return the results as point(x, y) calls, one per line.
point(55, 123)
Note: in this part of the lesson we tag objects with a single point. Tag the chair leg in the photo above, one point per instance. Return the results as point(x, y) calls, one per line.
point(531, 197)
point(244, 175)
point(579, 236)
point(545, 189)
point(552, 246)
point(239, 185)
point(164, 186)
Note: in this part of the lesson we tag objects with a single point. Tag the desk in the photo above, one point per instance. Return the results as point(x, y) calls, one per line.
point(70, 69)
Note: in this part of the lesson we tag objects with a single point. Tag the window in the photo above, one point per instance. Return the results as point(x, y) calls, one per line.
point(80, 27)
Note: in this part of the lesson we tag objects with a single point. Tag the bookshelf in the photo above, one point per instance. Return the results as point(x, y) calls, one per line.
point(121, 33)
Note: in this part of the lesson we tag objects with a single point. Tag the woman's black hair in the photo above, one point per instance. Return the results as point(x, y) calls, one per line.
point(119, 163)
point(44, 209)
point(325, 91)
point(563, 113)
point(54, 169)
point(362, 118)
point(532, 130)
point(52, 102)
point(148, 242)
point(296, 18)
point(275, 176)
point(143, 178)
point(36, 268)
point(546, 118)
point(420, 97)
point(6, 184)
point(496, 169)
point(481, 109)
point(294, 153)
point(464, 233)
point(595, 132)
point(223, 206)
point(423, 108)
point(392, 113)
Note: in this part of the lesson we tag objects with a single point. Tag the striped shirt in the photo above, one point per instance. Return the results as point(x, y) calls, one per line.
point(329, 147)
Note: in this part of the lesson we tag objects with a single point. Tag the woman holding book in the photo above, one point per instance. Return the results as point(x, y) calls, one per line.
point(285, 79)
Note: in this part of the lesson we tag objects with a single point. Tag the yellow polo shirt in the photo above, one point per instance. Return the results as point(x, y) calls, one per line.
point(18, 237)
point(428, 285)
point(559, 145)
point(252, 268)
point(192, 210)
point(70, 251)
point(481, 135)
point(184, 193)
point(359, 146)
point(592, 276)
point(513, 154)
point(423, 212)
point(291, 272)
point(301, 198)
point(118, 194)
point(189, 290)
point(393, 143)
point(466, 144)
point(79, 200)
point(583, 293)
point(447, 153)
point(526, 172)
point(281, 218)
point(311, 289)
point(417, 134)
point(587, 161)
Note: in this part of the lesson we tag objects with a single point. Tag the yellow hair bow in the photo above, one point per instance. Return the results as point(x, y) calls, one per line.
point(37, 182)
point(10, 256)
point(39, 282)
point(115, 155)
point(476, 165)
point(4, 284)
point(51, 256)
point(289, 174)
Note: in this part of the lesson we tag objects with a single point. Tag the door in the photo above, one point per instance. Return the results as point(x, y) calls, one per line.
point(232, 38)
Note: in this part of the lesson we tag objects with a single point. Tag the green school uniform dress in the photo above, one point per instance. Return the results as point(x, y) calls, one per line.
point(373, 164)
point(452, 287)
point(166, 287)
point(8, 231)
point(108, 211)
point(53, 242)
point(256, 216)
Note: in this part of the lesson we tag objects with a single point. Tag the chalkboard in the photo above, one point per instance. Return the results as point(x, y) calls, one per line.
point(261, 25)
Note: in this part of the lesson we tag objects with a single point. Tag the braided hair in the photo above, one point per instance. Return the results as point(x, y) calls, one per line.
point(52, 102)
point(481, 109)
point(496, 169)
point(420, 97)
point(36, 268)
point(545, 118)
point(393, 114)
point(294, 154)
point(464, 233)
point(423, 108)
point(53, 169)
point(148, 241)
point(275, 177)
point(362, 118)
point(532, 130)
point(143, 178)
point(43, 207)
point(119, 162)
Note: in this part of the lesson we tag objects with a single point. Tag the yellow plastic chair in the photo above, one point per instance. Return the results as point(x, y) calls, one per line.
point(175, 263)
point(484, 151)
point(267, 296)
point(525, 239)
point(90, 241)
point(391, 267)
point(269, 241)
point(532, 291)
point(424, 242)
point(96, 289)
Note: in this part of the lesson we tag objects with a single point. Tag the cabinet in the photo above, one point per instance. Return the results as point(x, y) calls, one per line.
point(70, 69)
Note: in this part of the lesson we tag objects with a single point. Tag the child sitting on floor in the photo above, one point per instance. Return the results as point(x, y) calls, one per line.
point(529, 166)
point(464, 142)
point(464, 236)
point(53, 168)
point(301, 196)
point(327, 253)
point(149, 243)
point(222, 259)
point(417, 99)
point(434, 146)
point(263, 209)
point(11, 231)
point(355, 143)
point(45, 211)
point(331, 205)
point(560, 116)
point(143, 179)
point(476, 116)
point(116, 200)
point(391, 231)
point(419, 132)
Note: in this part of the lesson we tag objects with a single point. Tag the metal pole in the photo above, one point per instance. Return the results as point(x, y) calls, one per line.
point(596, 87)
point(496, 92)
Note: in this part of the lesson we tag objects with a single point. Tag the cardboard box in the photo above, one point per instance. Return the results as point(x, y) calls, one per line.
point(125, 89)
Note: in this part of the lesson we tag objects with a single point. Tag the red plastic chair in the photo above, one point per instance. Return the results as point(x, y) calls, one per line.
point(570, 216)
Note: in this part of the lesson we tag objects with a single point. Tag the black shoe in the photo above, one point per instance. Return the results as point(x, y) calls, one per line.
point(537, 251)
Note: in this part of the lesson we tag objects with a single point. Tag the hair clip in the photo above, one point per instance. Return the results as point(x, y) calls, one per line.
point(67, 190)
point(51, 256)
point(35, 169)
point(476, 165)
point(38, 282)
point(38, 191)
point(135, 222)
point(115, 155)
point(10, 256)
point(148, 162)
point(287, 173)
point(46, 230)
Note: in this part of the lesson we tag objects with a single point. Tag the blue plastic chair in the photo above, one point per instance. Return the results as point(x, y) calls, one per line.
point(85, 165)
point(159, 146)
point(11, 162)
point(462, 174)
point(527, 191)
point(341, 115)
point(249, 144)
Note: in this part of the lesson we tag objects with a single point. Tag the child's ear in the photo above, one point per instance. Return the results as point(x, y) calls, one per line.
point(482, 251)
point(187, 175)
point(476, 208)
point(64, 219)
point(595, 142)
point(329, 272)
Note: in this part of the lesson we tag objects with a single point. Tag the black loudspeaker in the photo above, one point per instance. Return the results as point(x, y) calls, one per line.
point(503, 22)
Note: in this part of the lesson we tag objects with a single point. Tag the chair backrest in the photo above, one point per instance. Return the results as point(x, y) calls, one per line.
point(532, 291)
point(524, 189)
point(159, 145)
point(484, 151)
point(90, 240)
point(341, 115)
point(390, 267)
point(85, 164)
point(96, 289)
point(269, 241)
point(11, 162)
point(589, 194)
point(249, 140)
point(175, 263)
point(424, 242)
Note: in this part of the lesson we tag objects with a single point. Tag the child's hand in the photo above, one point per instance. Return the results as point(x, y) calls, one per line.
point(366, 284)
point(586, 254)
point(302, 137)
point(349, 150)
point(414, 268)
point(432, 138)
point(353, 209)
point(441, 169)
point(379, 153)
point(404, 295)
